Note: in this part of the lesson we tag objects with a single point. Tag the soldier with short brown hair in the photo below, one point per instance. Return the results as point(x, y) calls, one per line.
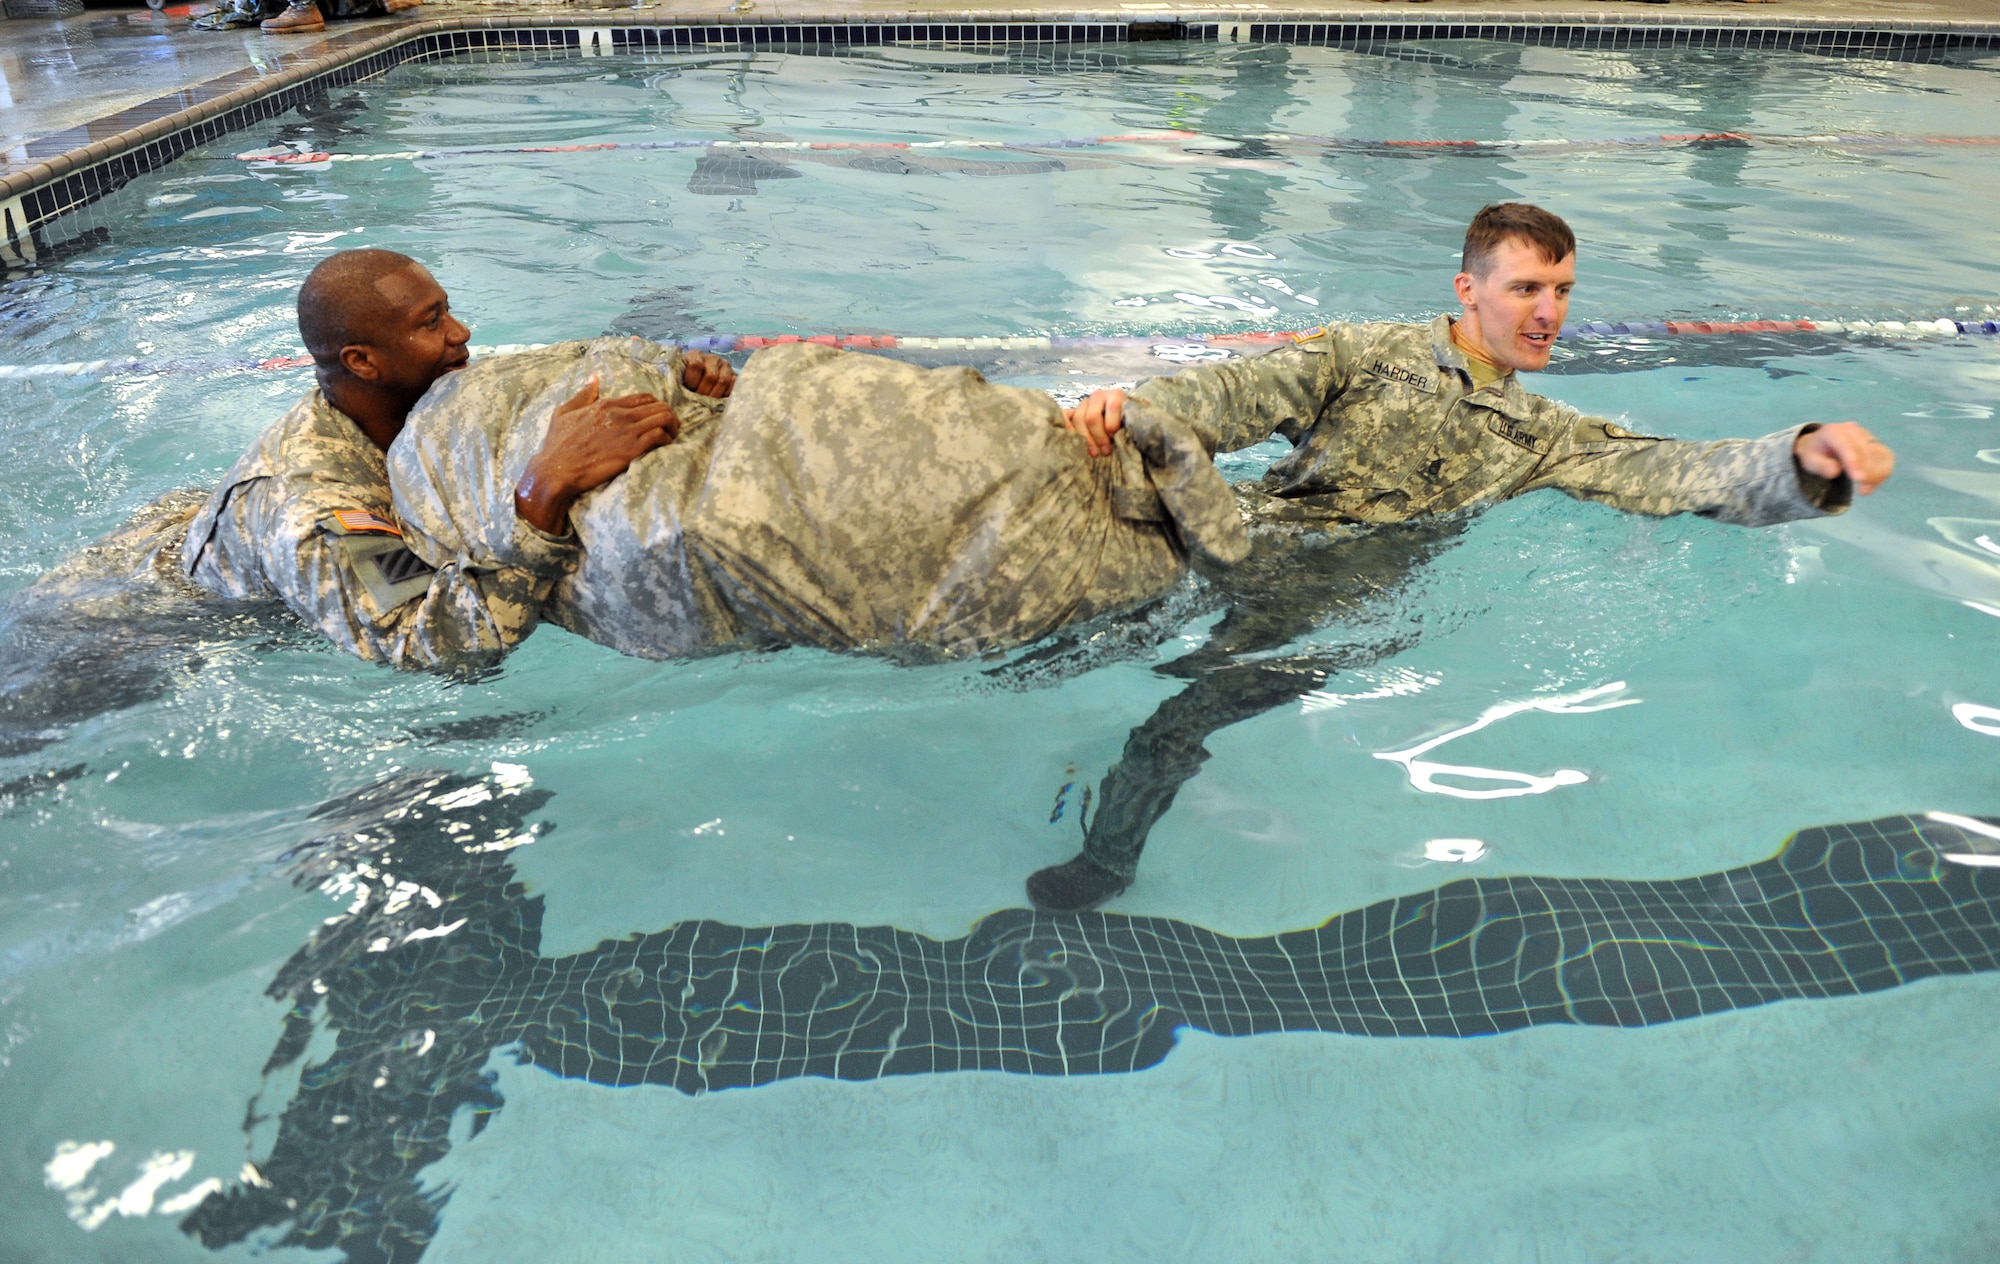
point(1391, 423)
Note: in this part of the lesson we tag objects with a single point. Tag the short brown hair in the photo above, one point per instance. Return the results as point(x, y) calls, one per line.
point(1496, 223)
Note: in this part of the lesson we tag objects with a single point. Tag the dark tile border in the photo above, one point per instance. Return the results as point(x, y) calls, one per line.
point(161, 130)
point(1886, 42)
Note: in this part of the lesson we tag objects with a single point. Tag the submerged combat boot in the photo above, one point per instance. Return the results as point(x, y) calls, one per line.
point(1077, 885)
point(301, 18)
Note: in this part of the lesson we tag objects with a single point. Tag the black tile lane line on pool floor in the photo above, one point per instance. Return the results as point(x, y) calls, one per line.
point(148, 136)
point(437, 965)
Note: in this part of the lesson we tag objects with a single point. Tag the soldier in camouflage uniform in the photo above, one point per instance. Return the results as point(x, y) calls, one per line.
point(306, 515)
point(1396, 423)
point(840, 500)
point(1387, 425)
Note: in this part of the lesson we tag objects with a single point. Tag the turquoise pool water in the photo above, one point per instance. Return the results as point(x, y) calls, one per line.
point(1816, 673)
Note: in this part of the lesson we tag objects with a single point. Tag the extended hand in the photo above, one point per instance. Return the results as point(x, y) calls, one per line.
point(1845, 447)
point(590, 442)
point(709, 375)
point(1097, 418)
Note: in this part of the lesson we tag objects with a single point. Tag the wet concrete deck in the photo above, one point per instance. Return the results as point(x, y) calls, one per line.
point(62, 75)
point(62, 82)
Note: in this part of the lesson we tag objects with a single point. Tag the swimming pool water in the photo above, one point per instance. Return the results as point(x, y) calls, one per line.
point(1783, 678)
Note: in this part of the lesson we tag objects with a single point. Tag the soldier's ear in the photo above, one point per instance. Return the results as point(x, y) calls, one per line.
point(1462, 286)
point(360, 361)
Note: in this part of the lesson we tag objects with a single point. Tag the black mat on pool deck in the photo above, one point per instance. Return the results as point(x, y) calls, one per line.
point(437, 965)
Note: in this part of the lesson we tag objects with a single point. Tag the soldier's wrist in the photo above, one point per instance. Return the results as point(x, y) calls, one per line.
point(543, 501)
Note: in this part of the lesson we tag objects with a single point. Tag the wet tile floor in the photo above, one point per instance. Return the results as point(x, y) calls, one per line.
point(66, 83)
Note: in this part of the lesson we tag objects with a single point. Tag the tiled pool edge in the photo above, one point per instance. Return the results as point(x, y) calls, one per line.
point(36, 196)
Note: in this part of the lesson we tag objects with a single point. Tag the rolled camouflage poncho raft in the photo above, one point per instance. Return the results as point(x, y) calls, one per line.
point(836, 499)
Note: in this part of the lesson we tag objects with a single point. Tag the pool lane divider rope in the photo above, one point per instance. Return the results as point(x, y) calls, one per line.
point(298, 157)
point(313, 159)
point(1172, 348)
point(1670, 140)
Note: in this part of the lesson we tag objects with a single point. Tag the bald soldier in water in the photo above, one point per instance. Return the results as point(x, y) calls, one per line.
point(841, 500)
point(306, 515)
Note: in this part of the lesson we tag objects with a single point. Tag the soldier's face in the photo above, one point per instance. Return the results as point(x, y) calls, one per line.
point(418, 340)
point(1513, 310)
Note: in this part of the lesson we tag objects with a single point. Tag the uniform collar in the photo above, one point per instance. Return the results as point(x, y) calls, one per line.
point(1444, 350)
point(326, 421)
point(1512, 399)
point(1448, 353)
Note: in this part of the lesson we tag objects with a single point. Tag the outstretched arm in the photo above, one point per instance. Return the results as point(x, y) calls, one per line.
point(1804, 472)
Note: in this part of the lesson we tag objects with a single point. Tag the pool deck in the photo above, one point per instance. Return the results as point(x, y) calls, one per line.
point(78, 78)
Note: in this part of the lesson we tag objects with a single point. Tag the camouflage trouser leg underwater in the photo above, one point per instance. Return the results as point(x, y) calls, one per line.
point(1292, 584)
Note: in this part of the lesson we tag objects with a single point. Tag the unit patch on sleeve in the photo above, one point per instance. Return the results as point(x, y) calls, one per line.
point(375, 551)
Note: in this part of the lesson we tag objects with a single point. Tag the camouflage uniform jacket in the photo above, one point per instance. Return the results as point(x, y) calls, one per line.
point(1385, 427)
point(841, 500)
point(306, 516)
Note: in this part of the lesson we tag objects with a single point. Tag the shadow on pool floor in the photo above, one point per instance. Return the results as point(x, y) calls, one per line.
point(436, 966)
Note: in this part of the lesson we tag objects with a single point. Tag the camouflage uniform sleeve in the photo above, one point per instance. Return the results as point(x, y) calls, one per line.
point(1240, 403)
point(1748, 482)
point(365, 591)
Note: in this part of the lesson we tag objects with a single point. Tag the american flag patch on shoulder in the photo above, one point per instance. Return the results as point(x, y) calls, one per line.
point(1307, 335)
point(362, 522)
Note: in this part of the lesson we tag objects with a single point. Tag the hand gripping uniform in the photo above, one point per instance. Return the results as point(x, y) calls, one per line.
point(836, 499)
point(1385, 427)
point(306, 517)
